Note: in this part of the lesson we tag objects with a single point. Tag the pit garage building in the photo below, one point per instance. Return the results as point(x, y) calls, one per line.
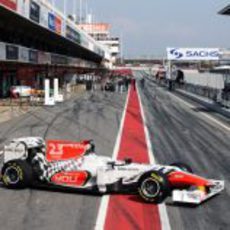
point(37, 41)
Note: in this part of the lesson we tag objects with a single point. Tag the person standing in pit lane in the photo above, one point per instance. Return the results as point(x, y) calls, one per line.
point(142, 82)
point(133, 82)
point(126, 83)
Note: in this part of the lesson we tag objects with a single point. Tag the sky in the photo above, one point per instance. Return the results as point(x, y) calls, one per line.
point(148, 27)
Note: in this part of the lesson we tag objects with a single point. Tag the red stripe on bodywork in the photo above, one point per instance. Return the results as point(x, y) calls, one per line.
point(129, 211)
point(182, 179)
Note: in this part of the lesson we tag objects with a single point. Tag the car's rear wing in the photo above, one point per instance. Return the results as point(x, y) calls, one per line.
point(63, 149)
point(18, 148)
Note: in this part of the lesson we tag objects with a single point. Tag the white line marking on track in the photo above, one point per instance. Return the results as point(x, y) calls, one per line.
point(203, 113)
point(100, 222)
point(165, 224)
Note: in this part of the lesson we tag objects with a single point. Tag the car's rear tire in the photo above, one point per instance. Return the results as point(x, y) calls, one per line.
point(17, 174)
point(183, 166)
point(153, 187)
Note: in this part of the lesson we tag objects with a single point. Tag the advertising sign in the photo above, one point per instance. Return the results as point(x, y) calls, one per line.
point(199, 54)
point(96, 27)
point(84, 42)
point(11, 4)
point(11, 52)
point(73, 35)
point(23, 54)
point(44, 16)
point(91, 46)
point(55, 23)
point(34, 12)
point(2, 51)
point(33, 56)
point(58, 25)
point(51, 21)
point(58, 59)
point(23, 7)
point(44, 58)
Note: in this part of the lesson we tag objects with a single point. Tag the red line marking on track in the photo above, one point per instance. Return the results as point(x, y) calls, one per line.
point(128, 211)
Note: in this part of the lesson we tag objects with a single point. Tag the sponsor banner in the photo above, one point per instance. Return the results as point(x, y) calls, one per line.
point(73, 179)
point(55, 23)
point(23, 54)
point(62, 150)
point(199, 54)
point(34, 11)
point(84, 42)
point(63, 28)
point(11, 4)
point(74, 61)
point(23, 7)
point(96, 27)
point(73, 35)
point(91, 46)
point(33, 56)
point(58, 25)
point(11, 52)
point(44, 58)
point(58, 59)
point(2, 51)
point(44, 16)
point(51, 21)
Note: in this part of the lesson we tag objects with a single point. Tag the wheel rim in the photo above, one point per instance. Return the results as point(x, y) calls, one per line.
point(150, 187)
point(11, 175)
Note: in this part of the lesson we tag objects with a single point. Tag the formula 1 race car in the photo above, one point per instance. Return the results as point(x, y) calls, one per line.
point(74, 165)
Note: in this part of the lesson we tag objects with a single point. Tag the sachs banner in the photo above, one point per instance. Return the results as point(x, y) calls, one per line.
point(199, 54)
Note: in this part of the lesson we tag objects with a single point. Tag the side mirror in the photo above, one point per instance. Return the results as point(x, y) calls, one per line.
point(128, 161)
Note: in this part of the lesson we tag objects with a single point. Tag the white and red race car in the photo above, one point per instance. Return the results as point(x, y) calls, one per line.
point(74, 165)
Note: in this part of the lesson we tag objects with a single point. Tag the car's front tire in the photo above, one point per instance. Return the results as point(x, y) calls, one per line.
point(17, 174)
point(153, 187)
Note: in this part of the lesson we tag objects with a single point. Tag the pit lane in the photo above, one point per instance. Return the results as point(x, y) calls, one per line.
point(91, 116)
point(181, 133)
point(178, 133)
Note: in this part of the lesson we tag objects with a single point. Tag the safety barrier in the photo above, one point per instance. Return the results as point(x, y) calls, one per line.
point(217, 95)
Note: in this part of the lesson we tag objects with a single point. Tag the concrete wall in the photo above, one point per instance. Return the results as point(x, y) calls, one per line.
point(204, 79)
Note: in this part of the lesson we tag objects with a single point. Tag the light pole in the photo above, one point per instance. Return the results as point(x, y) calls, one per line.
point(86, 11)
point(52, 3)
point(74, 10)
point(80, 20)
point(121, 47)
point(64, 8)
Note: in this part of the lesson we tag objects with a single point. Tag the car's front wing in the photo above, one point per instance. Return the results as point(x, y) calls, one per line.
point(197, 196)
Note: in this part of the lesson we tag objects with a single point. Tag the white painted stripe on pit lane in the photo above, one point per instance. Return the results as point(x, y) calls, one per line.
point(165, 224)
point(100, 222)
point(203, 113)
point(118, 141)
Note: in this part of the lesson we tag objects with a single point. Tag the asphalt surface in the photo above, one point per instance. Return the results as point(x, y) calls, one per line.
point(181, 133)
point(94, 116)
point(178, 133)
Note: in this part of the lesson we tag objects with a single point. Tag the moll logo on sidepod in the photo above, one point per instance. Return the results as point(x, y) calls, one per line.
point(176, 53)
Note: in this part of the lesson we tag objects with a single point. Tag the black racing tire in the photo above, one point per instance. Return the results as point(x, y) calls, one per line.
point(17, 174)
point(183, 166)
point(153, 187)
